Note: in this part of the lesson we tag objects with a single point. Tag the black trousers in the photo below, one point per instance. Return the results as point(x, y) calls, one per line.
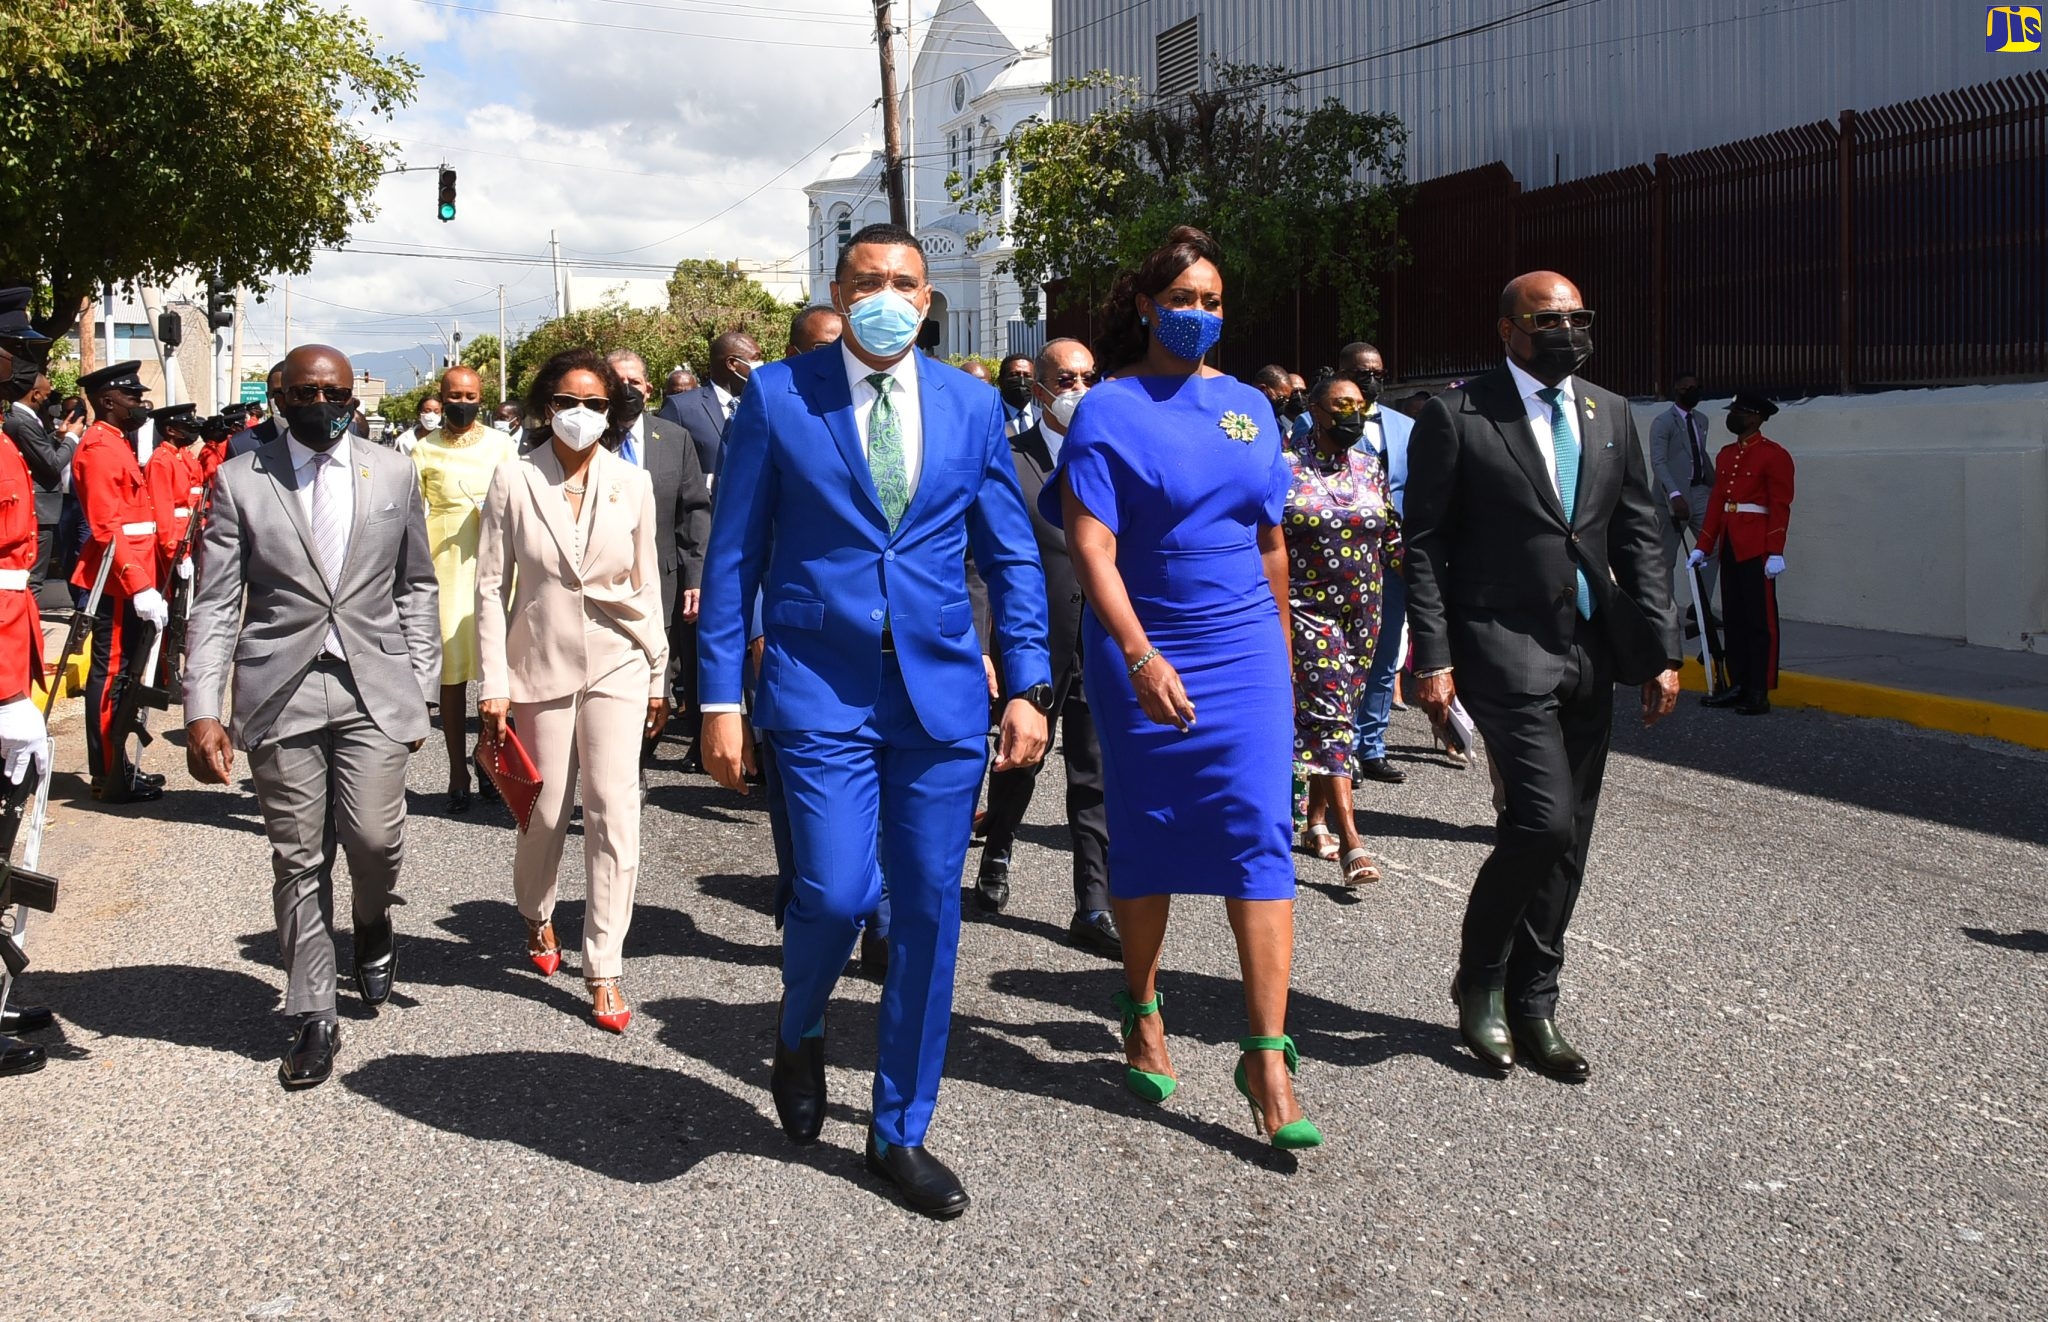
point(120, 644)
point(682, 650)
point(1009, 797)
point(46, 542)
point(1749, 622)
point(1551, 752)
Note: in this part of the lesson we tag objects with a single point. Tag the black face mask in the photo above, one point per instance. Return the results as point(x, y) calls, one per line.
point(1016, 393)
point(1687, 399)
point(1294, 405)
point(1557, 354)
point(460, 416)
point(1348, 427)
point(136, 416)
point(1370, 384)
point(635, 397)
point(1742, 424)
point(319, 426)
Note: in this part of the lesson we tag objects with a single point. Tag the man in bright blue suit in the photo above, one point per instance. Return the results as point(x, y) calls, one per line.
point(854, 481)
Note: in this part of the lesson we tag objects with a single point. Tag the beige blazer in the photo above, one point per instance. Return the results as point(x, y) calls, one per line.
point(534, 600)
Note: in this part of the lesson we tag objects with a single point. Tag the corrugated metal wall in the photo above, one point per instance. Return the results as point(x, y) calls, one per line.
point(1564, 88)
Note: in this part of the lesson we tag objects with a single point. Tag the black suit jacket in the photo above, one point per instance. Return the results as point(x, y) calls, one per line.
point(697, 412)
point(1490, 554)
point(1033, 460)
point(47, 459)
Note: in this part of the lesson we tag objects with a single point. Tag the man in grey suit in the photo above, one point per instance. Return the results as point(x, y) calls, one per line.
point(1683, 468)
point(335, 654)
point(48, 458)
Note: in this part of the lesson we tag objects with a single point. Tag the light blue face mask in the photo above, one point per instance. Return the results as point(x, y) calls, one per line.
point(884, 323)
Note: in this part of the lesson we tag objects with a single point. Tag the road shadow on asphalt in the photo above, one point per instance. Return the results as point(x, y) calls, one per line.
point(2033, 941)
point(755, 893)
point(709, 802)
point(185, 1005)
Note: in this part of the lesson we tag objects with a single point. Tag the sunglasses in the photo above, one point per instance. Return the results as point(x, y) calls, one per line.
point(315, 394)
point(1344, 408)
point(599, 404)
point(1576, 318)
point(1066, 381)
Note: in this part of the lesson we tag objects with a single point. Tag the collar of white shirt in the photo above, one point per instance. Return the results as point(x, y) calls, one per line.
point(904, 369)
point(724, 398)
point(1529, 385)
point(303, 454)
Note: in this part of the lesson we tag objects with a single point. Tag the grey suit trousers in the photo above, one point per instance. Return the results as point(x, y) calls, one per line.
point(326, 776)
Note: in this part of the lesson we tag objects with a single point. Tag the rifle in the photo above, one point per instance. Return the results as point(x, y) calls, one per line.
point(23, 885)
point(1711, 658)
point(132, 693)
point(181, 596)
point(80, 626)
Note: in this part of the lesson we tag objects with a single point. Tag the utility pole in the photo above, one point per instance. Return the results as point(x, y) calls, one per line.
point(233, 394)
point(892, 118)
point(501, 344)
point(910, 120)
point(287, 316)
point(555, 255)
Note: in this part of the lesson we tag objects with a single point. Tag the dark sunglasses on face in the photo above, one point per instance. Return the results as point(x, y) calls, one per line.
point(315, 394)
point(599, 404)
point(1576, 318)
point(1066, 381)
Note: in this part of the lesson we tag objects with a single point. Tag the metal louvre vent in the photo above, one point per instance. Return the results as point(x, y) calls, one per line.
point(1179, 59)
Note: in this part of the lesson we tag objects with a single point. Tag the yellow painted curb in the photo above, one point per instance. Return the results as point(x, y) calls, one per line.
point(1929, 711)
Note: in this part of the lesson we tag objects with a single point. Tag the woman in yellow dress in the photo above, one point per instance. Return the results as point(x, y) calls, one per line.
point(455, 466)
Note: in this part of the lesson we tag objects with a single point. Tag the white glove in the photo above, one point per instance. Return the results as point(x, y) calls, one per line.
point(23, 739)
point(151, 606)
point(1774, 565)
point(1696, 559)
point(185, 569)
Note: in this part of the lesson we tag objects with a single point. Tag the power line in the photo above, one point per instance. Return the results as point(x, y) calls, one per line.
point(630, 27)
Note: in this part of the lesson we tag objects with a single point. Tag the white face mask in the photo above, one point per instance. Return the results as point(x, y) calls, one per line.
point(430, 422)
point(1061, 410)
point(501, 424)
point(579, 428)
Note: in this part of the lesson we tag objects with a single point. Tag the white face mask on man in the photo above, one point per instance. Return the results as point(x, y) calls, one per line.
point(579, 428)
point(1061, 410)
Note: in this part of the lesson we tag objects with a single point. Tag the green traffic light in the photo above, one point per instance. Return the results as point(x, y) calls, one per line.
point(447, 211)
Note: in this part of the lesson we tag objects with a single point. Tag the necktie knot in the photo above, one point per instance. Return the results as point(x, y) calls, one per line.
point(1551, 395)
point(881, 381)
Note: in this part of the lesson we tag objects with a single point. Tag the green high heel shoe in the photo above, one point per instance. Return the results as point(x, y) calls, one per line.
point(1145, 1086)
point(1291, 1137)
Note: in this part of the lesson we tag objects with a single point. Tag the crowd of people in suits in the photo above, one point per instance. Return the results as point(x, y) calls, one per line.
point(875, 584)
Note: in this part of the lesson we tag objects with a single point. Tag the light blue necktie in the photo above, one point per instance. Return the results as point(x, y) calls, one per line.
point(1567, 446)
point(629, 450)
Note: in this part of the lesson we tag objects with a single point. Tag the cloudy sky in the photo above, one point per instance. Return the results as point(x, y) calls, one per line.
point(643, 131)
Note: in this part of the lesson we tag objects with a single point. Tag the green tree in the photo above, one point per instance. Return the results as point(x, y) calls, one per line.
point(225, 136)
point(1295, 194)
point(42, 37)
point(710, 298)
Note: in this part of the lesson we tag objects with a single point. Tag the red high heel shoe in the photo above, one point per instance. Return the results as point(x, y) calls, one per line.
point(607, 1005)
point(542, 948)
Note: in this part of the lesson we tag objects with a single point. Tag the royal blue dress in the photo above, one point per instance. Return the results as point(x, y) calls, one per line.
point(1208, 812)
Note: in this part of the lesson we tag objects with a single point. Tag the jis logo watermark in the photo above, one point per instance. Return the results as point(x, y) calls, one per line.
point(2012, 29)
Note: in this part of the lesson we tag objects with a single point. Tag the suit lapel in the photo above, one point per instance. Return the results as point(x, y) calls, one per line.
point(550, 504)
point(606, 479)
point(276, 459)
point(931, 399)
point(833, 400)
point(1498, 400)
point(1595, 436)
point(359, 481)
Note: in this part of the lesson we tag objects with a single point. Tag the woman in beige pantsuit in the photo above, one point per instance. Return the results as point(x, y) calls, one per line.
point(573, 647)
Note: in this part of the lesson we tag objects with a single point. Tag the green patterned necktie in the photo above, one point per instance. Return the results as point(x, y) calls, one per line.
point(885, 452)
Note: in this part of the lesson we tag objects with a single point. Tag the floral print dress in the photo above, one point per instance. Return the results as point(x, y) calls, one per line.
point(1343, 539)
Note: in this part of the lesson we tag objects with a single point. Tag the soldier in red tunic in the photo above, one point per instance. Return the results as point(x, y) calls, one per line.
point(175, 475)
point(119, 523)
point(1746, 521)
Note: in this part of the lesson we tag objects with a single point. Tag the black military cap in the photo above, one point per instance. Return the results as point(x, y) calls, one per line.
point(115, 375)
point(176, 415)
point(1757, 404)
point(14, 323)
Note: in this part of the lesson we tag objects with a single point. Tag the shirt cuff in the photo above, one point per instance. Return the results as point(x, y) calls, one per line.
point(715, 708)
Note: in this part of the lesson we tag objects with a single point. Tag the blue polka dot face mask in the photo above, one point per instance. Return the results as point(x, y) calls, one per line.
point(1188, 333)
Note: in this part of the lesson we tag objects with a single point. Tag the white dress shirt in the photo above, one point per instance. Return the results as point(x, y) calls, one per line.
point(726, 401)
point(909, 410)
point(341, 487)
point(1539, 416)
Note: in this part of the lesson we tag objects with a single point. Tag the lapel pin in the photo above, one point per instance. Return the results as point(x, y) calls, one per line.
point(363, 472)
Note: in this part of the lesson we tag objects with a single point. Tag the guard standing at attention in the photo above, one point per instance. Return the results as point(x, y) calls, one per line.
point(175, 475)
point(1747, 517)
point(114, 499)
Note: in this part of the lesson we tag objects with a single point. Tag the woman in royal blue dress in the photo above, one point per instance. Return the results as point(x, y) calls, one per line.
point(1171, 485)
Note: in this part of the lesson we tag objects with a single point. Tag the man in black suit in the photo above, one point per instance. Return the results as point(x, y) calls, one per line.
point(266, 430)
point(1537, 581)
point(48, 457)
point(1062, 374)
point(705, 411)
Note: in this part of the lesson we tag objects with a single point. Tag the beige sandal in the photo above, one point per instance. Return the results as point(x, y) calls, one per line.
point(1359, 869)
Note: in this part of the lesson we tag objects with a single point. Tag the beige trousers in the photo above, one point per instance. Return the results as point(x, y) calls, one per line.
point(594, 733)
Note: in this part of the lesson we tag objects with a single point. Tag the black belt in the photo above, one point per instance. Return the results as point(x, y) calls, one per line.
point(888, 642)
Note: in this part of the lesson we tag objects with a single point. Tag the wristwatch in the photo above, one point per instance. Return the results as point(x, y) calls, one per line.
point(1040, 696)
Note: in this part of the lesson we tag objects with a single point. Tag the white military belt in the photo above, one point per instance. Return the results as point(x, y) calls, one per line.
point(182, 512)
point(13, 580)
point(1744, 507)
point(137, 529)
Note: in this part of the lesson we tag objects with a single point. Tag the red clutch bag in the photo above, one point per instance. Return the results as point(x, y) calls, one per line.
point(511, 769)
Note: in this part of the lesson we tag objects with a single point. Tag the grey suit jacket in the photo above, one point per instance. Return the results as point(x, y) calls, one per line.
point(47, 457)
point(1671, 455)
point(263, 606)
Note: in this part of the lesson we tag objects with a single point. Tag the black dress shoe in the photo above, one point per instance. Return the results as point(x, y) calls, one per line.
point(26, 1019)
point(1097, 932)
point(797, 1082)
point(1483, 1023)
point(1378, 768)
point(376, 965)
point(993, 885)
point(311, 1058)
point(459, 801)
point(1728, 697)
point(1755, 704)
point(126, 789)
point(874, 955)
point(1542, 1048)
point(922, 1179)
point(20, 1057)
point(148, 778)
point(486, 788)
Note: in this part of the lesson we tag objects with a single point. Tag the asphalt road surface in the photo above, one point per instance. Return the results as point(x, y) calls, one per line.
point(1808, 968)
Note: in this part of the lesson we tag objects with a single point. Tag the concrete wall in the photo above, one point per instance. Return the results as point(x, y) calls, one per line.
point(1919, 511)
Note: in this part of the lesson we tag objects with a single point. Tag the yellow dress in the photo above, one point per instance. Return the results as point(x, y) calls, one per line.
point(454, 478)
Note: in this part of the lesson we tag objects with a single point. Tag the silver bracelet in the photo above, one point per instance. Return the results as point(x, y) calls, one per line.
point(1141, 662)
point(1432, 674)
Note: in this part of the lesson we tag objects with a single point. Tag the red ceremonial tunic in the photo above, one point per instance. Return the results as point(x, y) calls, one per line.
point(21, 627)
point(175, 476)
point(115, 500)
point(1757, 472)
point(212, 454)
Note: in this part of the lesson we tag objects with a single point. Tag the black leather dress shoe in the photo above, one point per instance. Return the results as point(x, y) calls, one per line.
point(1540, 1047)
point(376, 965)
point(311, 1058)
point(1728, 697)
point(1755, 704)
point(922, 1179)
point(1483, 1023)
point(1378, 768)
point(126, 789)
point(1097, 932)
point(20, 1057)
point(874, 955)
point(992, 886)
point(26, 1019)
point(797, 1082)
point(148, 778)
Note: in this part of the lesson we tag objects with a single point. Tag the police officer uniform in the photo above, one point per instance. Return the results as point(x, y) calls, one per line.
point(1747, 517)
point(175, 475)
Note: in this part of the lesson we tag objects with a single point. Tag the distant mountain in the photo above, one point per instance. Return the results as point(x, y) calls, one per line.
point(397, 367)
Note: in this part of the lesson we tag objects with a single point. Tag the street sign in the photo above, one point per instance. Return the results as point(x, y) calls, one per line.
point(253, 392)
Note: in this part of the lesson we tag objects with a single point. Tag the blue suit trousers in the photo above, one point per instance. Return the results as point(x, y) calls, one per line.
point(1378, 707)
point(885, 796)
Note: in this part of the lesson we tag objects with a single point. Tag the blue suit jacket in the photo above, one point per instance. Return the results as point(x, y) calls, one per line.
point(797, 518)
point(697, 412)
point(1398, 427)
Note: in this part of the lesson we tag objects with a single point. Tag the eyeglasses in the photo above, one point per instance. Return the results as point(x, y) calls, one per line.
point(1344, 408)
point(1365, 374)
point(314, 394)
point(1576, 318)
point(872, 283)
point(599, 404)
point(1066, 381)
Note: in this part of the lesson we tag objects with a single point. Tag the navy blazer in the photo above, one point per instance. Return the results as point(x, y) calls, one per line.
point(797, 520)
point(697, 412)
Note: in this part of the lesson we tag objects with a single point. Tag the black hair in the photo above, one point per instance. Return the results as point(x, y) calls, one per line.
point(1274, 375)
point(796, 323)
point(1356, 349)
point(1124, 338)
point(1324, 385)
point(891, 236)
point(547, 381)
point(1023, 358)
